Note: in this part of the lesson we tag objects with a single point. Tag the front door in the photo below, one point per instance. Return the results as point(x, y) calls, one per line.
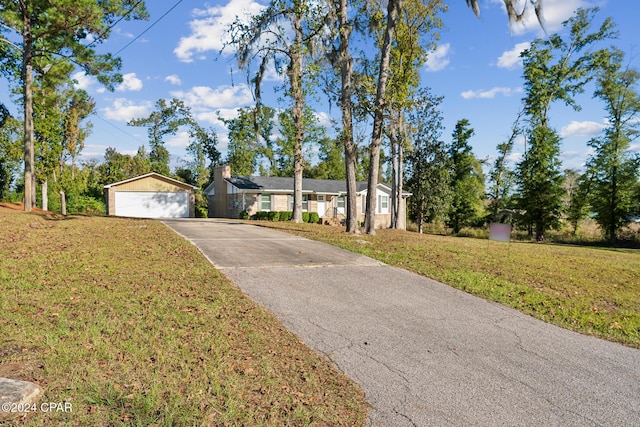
point(322, 209)
point(340, 205)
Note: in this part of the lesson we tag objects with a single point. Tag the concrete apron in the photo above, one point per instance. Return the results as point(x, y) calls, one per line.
point(425, 353)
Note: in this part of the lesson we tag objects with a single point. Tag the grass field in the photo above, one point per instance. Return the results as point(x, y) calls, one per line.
point(595, 291)
point(130, 325)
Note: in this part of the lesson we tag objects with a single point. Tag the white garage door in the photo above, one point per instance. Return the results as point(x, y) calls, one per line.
point(147, 204)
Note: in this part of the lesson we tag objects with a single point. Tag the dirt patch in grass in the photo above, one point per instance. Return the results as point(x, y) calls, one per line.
point(128, 323)
point(595, 291)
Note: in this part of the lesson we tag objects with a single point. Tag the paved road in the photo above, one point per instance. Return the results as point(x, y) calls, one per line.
point(424, 353)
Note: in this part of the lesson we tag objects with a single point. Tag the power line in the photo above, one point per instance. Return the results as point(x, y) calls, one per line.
point(101, 35)
point(148, 28)
point(116, 127)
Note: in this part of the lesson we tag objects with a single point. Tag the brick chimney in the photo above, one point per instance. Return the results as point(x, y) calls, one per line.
point(220, 190)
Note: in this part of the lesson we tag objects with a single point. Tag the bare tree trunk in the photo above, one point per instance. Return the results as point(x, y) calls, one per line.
point(27, 79)
point(376, 138)
point(295, 77)
point(63, 203)
point(393, 137)
point(45, 196)
point(400, 212)
point(350, 149)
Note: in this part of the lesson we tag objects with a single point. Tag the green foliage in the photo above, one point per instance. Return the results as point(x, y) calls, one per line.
point(244, 215)
point(331, 164)
point(577, 188)
point(245, 148)
point(305, 216)
point(467, 180)
point(501, 177)
point(201, 204)
point(53, 36)
point(203, 147)
point(273, 216)
point(166, 120)
point(284, 149)
point(613, 168)
point(428, 168)
point(86, 205)
point(314, 218)
point(555, 69)
point(540, 182)
point(261, 215)
point(10, 152)
point(286, 215)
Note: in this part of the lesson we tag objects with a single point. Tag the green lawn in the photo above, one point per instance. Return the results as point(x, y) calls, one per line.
point(595, 291)
point(130, 325)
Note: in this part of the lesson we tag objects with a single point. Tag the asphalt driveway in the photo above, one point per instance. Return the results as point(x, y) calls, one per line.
point(425, 354)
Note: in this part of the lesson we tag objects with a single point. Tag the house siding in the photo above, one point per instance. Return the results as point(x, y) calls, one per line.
point(280, 202)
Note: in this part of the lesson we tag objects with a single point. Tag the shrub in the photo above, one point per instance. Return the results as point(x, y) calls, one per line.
point(314, 218)
point(201, 212)
point(86, 205)
point(244, 215)
point(305, 216)
point(262, 216)
point(285, 215)
point(274, 216)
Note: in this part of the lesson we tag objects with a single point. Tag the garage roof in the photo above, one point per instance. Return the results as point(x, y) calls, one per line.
point(156, 176)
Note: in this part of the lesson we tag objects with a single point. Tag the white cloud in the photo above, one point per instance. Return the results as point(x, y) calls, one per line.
point(514, 157)
point(491, 93)
point(439, 58)
point(123, 110)
point(173, 79)
point(511, 58)
point(209, 27)
point(227, 113)
point(585, 128)
point(129, 83)
point(324, 120)
point(126, 34)
point(84, 82)
point(201, 98)
point(180, 140)
point(554, 12)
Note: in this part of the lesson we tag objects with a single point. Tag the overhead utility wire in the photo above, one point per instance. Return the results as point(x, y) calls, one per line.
point(101, 35)
point(148, 28)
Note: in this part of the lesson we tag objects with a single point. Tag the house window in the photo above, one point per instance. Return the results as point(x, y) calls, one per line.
point(305, 202)
point(341, 202)
point(383, 203)
point(265, 202)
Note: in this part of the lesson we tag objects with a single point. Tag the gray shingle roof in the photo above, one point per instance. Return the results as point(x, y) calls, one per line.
point(281, 184)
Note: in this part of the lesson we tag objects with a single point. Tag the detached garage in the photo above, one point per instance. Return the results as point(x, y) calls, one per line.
point(150, 196)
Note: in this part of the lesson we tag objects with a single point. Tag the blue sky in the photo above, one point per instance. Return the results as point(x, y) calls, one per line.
point(475, 68)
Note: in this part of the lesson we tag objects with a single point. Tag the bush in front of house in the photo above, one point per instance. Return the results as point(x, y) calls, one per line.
point(311, 217)
point(244, 215)
point(286, 215)
point(261, 216)
point(274, 216)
